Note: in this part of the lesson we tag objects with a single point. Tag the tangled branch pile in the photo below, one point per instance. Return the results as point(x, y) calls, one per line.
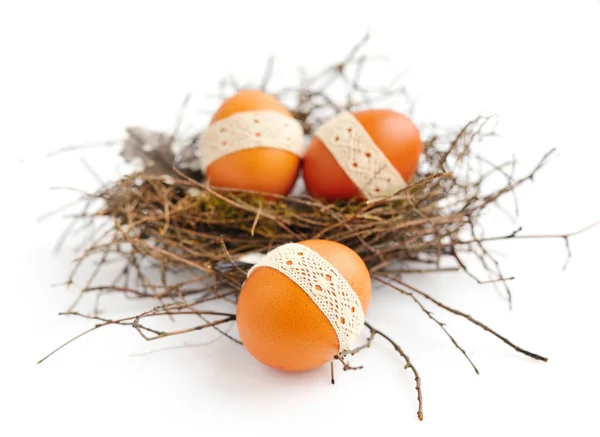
point(166, 219)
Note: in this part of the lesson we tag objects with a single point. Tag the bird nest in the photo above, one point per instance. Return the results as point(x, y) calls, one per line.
point(186, 245)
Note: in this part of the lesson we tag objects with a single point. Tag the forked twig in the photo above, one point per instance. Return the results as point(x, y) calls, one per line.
point(462, 314)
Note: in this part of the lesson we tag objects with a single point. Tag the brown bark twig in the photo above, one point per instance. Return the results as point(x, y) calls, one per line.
point(432, 317)
point(408, 365)
point(464, 315)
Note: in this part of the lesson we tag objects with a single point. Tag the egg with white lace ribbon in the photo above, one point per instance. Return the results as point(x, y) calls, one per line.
point(366, 154)
point(303, 303)
point(252, 143)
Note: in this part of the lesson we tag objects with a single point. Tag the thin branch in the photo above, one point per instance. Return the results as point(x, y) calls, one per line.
point(409, 365)
point(515, 235)
point(255, 223)
point(432, 317)
point(74, 147)
point(267, 74)
point(345, 364)
point(72, 340)
point(161, 334)
point(91, 170)
point(469, 318)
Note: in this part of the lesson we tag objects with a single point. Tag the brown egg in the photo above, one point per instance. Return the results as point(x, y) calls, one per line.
point(393, 133)
point(290, 305)
point(252, 143)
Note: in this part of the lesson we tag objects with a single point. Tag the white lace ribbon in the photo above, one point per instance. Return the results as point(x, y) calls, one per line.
point(360, 158)
point(324, 284)
point(248, 130)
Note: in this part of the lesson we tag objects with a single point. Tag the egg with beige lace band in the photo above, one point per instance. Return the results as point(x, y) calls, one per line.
point(252, 143)
point(367, 154)
point(303, 303)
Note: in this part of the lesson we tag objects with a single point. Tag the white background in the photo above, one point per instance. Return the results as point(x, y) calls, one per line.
point(75, 72)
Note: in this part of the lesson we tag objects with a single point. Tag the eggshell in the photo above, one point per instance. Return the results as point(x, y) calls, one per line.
point(281, 326)
point(395, 135)
point(263, 169)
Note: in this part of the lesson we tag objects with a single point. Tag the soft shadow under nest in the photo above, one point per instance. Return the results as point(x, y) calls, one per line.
point(168, 217)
